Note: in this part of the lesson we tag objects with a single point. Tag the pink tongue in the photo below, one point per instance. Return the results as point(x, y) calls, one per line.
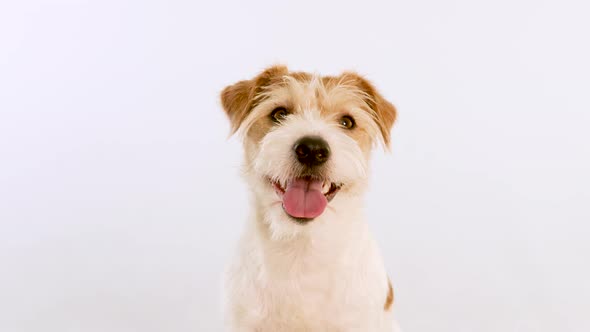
point(303, 198)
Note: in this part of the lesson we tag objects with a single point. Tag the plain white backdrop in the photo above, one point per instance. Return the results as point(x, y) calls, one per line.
point(120, 194)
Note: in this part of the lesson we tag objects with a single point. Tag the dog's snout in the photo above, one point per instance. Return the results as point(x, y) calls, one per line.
point(311, 150)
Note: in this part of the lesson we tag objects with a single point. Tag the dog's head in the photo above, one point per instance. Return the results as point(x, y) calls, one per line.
point(307, 140)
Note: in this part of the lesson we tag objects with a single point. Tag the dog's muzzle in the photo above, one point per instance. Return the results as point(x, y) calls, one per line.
point(306, 196)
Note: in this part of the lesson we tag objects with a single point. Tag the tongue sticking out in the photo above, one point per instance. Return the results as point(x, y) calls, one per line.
point(303, 198)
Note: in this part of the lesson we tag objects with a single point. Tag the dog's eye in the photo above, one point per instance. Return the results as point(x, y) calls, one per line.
point(347, 122)
point(279, 114)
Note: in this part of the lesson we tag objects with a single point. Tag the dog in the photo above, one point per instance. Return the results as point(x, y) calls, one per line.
point(306, 260)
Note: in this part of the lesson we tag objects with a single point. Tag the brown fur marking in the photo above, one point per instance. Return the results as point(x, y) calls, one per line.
point(389, 298)
point(239, 99)
point(385, 112)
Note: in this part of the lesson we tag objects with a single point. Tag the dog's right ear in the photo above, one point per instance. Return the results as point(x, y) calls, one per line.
point(240, 98)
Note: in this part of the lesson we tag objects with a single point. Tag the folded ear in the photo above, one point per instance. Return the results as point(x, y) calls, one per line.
point(240, 98)
point(384, 112)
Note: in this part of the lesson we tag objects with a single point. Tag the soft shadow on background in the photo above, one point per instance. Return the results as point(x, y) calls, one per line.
point(120, 195)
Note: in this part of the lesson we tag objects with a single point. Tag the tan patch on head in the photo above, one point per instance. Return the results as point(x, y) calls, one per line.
point(301, 76)
point(341, 98)
point(240, 98)
point(389, 298)
point(383, 112)
point(258, 129)
point(333, 96)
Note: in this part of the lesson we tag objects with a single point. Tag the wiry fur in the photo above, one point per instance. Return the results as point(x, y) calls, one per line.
point(326, 275)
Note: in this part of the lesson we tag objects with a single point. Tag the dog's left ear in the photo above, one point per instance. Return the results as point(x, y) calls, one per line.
point(240, 98)
point(384, 112)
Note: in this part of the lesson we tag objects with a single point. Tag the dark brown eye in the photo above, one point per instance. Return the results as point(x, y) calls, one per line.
point(279, 114)
point(347, 122)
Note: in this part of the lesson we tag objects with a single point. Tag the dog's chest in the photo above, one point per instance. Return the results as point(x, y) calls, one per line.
point(318, 302)
point(309, 293)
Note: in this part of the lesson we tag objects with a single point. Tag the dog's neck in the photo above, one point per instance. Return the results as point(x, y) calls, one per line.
point(334, 239)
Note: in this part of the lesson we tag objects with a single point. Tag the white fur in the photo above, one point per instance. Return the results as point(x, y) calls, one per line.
point(326, 275)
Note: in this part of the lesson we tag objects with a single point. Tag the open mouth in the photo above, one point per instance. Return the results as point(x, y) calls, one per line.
point(306, 198)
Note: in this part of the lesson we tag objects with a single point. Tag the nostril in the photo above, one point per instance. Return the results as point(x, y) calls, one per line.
point(311, 150)
point(321, 155)
point(301, 150)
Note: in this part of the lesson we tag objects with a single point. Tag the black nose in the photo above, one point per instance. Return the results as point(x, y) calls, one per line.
point(311, 150)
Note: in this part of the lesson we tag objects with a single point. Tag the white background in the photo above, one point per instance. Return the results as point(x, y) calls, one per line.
point(120, 196)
